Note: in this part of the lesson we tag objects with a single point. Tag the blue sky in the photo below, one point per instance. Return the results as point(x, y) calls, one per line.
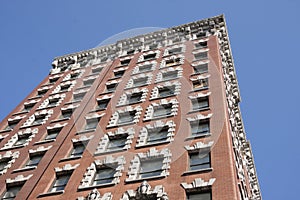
point(264, 40)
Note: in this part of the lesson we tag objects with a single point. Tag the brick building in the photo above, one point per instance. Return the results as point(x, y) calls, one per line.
point(155, 116)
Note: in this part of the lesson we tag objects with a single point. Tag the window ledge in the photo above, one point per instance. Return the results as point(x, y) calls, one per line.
point(136, 86)
point(199, 73)
point(97, 110)
point(198, 110)
point(36, 97)
point(71, 102)
point(148, 178)
point(4, 131)
point(123, 124)
point(172, 95)
point(186, 173)
point(174, 65)
point(199, 89)
point(21, 112)
point(142, 72)
point(198, 136)
point(24, 169)
point(96, 186)
point(85, 131)
point(50, 193)
point(152, 144)
point(59, 120)
point(70, 158)
point(128, 104)
point(44, 141)
point(107, 92)
point(11, 148)
point(200, 59)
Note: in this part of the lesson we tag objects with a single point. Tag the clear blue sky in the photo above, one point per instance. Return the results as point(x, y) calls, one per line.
point(264, 39)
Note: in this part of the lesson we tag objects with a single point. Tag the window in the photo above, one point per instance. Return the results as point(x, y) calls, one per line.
point(60, 182)
point(97, 70)
point(64, 88)
point(130, 52)
point(12, 124)
point(170, 75)
point(201, 44)
point(199, 196)
point(74, 75)
point(200, 84)
point(200, 127)
point(119, 74)
point(88, 82)
point(199, 160)
point(157, 135)
point(126, 117)
point(66, 114)
point(22, 139)
point(201, 34)
point(150, 168)
point(166, 91)
point(134, 97)
point(78, 149)
point(117, 142)
point(125, 62)
point(52, 133)
point(104, 175)
point(149, 56)
point(34, 160)
point(200, 69)
point(201, 55)
point(11, 192)
point(102, 104)
point(175, 50)
point(140, 81)
point(53, 102)
point(92, 123)
point(145, 68)
point(53, 79)
point(171, 62)
point(43, 91)
point(28, 107)
point(39, 119)
point(78, 96)
point(4, 162)
point(162, 110)
point(111, 87)
point(200, 103)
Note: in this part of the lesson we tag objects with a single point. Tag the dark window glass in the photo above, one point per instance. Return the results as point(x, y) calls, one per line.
point(166, 91)
point(199, 196)
point(92, 123)
point(78, 150)
point(102, 104)
point(34, 160)
point(140, 81)
point(162, 110)
point(170, 75)
point(60, 182)
point(200, 69)
point(119, 73)
point(200, 127)
point(156, 135)
point(22, 139)
point(200, 103)
point(52, 133)
point(200, 84)
point(201, 56)
point(150, 168)
point(175, 50)
point(78, 97)
point(11, 192)
point(201, 44)
point(116, 143)
point(104, 175)
point(125, 62)
point(111, 87)
point(145, 68)
point(134, 98)
point(126, 117)
point(149, 56)
point(199, 160)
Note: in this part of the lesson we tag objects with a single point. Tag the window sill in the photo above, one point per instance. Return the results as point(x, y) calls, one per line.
point(186, 173)
point(173, 65)
point(24, 169)
point(70, 158)
point(148, 178)
point(60, 120)
point(11, 148)
point(199, 73)
point(198, 110)
point(128, 104)
point(109, 151)
point(51, 193)
point(163, 97)
point(96, 186)
point(71, 102)
point(152, 144)
point(7, 130)
point(199, 89)
point(107, 92)
point(44, 141)
point(198, 136)
point(84, 87)
point(97, 110)
point(21, 112)
point(36, 97)
point(85, 131)
point(122, 124)
point(200, 59)
point(142, 72)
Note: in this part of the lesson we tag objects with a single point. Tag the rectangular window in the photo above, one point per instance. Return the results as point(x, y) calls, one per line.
point(125, 62)
point(200, 127)
point(145, 68)
point(199, 196)
point(39, 119)
point(42, 92)
point(60, 182)
point(149, 56)
point(22, 139)
point(119, 74)
point(78, 149)
point(111, 87)
point(116, 143)
point(12, 124)
point(170, 75)
point(28, 107)
point(200, 103)
point(66, 114)
point(4, 162)
point(78, 96)
point(175, 50)
point(157, 135)
point(166, 91)
point(104, 175)
point(34, 160)
point(11, 192)
point(172, 62)
point(64, 88)
point(88, 82)
point(126, 117)
point(140, 81)
point(134, 98)
point(52, 133)
point(201, 44)
point(162, 110)
point(92, 123)
point(200, 84)
point(97, 70)
point(200, 69)
point(201, 55)
point(150, 168)
point(102, 104)
point(199, 160)
point(53, 102)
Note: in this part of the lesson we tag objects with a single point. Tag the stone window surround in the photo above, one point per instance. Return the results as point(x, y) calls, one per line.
point(182, 46)
point(199, 117)
point(141, 58)
point(43, 89)
point(155, 90)
point(130, 83)
point(159, 76)
point(56, 126)
point(31, 102)
point(96, 68)
point(58, 88)
point(200, 62)
point(145, 190)
point(92, 117)
point(126, 58)
point(105, 97)
point(173, 57)
point(150, 109)
point(89, 78)
point(137, 67)
point(113, 122)
point(57, 76)
point(120, 69)
point(104, 142)
point(18, 180)
point(110, 83)
point(71, 107)
point(198, 185)
point(30, 132)
point(197, 96)
point(200, 77)
point(59, 97)
point(76, 72)
point(31, 119)
point(95, 195)
point(88, 177)
point(198, 41)
point(80, 92)
point(142, 139)
point(9, 155)
point(135, 164)
point(197, 51)
point(123, 99)
point(14, 120)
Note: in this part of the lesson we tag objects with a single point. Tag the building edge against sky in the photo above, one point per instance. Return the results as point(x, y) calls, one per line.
point(29, 119)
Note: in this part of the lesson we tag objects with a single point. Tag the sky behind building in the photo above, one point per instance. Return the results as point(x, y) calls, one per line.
point(263, 40)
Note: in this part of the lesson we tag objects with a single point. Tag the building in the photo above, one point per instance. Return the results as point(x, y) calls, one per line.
point(151, 117)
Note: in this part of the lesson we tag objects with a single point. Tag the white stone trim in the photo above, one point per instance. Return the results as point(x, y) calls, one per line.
point(16, 118)
point(130, 83)
point(155, 90)
point(137, 67)
point(199, 95)
point(30, 132)
point(9, 155)
point(58, 88)
point(91, 171)
point(66, 167)
point(173, 57)
point(198, 183)
point(198, 146)
point(95, 195)
point(30, 120)
point(144, 190)
point(150, 109)
point(44, 88)
point(199, 117)
point(182, 46)
point(57, 125)
point(57, 76)
point(94, 116)
point(120, 69)
point(159, 76)
point(105, 97)
point(82, 139)
point(133, 173)
point(32, 102)
point(17, 179)
point(123, 99)
point(142, 139)
point(141, 58)
point(40, 149)
point(70, 107)
point(46, 102)
point(68, 76)
point(104, 142)
point(115, 117)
